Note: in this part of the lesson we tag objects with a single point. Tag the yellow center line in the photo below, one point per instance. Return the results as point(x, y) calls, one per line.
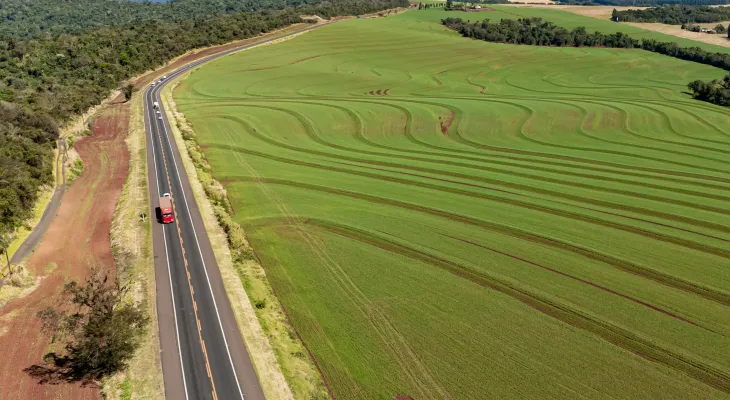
point(187, 271)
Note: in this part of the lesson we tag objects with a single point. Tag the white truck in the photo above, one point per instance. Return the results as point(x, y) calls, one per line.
point(155, 105)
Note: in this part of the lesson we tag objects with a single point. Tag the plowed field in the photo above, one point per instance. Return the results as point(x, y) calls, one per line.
point(449, 218)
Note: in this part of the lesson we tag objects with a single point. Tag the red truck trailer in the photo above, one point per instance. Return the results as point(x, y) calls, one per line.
point(165, 210)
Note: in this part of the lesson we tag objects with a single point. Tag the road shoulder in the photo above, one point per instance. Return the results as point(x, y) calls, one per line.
point(269, 348)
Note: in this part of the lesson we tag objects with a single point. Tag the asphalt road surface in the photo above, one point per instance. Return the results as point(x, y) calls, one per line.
point(203, 355)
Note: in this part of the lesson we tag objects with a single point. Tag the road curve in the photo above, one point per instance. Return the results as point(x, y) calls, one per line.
point(203, 354)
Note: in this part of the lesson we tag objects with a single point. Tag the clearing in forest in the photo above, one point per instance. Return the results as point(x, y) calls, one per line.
point(449, 218)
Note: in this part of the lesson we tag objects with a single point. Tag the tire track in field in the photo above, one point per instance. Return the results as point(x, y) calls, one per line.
point(360, 137)
point(535, 190)
point(706, 292)
point(454, 133)
point(514, 154)
point(614, 334)
point(581, 131)
point(460, 139)
point(419, 375)
point(689, 244)
point(586, 282)
point(664, 116)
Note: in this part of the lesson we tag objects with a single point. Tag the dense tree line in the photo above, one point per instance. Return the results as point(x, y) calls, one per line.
point(45, 81)
point(38, 18)
point(674, 14)
point(535, 31)
point(716, 91)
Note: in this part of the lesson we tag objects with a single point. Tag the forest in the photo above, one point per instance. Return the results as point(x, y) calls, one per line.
point(535, 31)
point(41, 18)
point(674, 14)
point(45, 81)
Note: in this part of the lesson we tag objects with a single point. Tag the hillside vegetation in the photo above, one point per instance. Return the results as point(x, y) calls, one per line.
point(451, 218)
point(674, 14)
point(43, 82)
point(44, 18)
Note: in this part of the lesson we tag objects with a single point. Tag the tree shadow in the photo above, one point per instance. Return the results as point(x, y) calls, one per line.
point(61, 369)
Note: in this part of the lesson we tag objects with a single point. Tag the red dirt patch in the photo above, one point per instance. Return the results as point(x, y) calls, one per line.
point(445, 125)
point(77, 240)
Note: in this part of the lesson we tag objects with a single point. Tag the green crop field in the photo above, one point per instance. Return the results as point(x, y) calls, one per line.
point(449, 218)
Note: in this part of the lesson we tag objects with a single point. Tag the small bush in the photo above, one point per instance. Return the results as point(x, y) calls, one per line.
point(21, 277)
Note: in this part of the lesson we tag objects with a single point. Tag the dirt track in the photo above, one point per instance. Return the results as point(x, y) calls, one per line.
point(76, 240)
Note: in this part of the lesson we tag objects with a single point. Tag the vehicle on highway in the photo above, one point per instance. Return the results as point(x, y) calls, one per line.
point(159, 116)
point(164, 77)
point(153, 84)
point(164, 211)
point(155, 105)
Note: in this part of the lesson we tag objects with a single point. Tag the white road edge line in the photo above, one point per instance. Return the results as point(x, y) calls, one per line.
point(154, 92)
point(200, 252)
point(167, 257)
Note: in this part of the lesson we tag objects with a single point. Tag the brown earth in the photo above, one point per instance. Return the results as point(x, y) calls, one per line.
point(76, 240)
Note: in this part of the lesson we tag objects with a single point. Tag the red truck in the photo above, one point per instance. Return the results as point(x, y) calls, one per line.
point(165, 209)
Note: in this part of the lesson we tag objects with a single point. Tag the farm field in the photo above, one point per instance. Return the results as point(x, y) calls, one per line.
point(449, 218)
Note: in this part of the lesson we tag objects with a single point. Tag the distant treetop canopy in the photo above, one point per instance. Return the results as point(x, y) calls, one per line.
point(674, 14)
point(24, 18)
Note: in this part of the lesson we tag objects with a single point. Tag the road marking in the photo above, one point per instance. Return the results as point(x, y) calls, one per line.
point(153, 92)
point(167, 257)
point(190, 283)
point(205, 268)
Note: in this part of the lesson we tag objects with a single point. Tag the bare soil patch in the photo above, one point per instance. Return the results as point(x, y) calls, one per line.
point(76, 241)
point(676, 30)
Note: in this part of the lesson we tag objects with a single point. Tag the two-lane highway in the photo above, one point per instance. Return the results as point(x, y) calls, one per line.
point(203, 354)
point(205, 360)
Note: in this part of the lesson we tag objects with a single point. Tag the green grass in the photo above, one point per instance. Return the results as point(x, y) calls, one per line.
point(506, 222)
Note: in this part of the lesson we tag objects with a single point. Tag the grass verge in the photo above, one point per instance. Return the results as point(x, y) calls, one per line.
point(131, 241)
point(278, 355)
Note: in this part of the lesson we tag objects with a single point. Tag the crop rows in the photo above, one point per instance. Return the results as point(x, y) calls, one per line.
point(446, 218)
